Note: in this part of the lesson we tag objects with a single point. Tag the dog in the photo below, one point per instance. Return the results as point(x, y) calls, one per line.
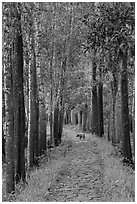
point(81, 135)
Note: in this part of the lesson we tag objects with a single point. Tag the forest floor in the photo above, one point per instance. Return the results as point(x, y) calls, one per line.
point(79, 171)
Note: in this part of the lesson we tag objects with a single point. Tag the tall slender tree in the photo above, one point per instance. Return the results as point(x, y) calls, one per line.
point(8, 97)
point(19, 108)
point(100, 99)
point(124, 104)
point(94, 98)
point(9, 118)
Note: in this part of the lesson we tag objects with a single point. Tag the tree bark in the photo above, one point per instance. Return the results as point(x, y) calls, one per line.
point(133, 123)
point(56, 124)
point(35, 101)
point(109, 119)
point(100, 96)
point(125, 109)
point(9, 118)
point(100, 101)
point(114, 89)
point(113, 122)
point(118, 120)
point(85, 118)
point(19, 108)
point(76, 118)
point(80, 118)
point(33, 119)
point(30, 111)
point(61, 117)
point(94, 99)
point(3, 117)
point(89, 120)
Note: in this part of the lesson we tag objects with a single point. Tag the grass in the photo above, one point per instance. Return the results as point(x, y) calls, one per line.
point(40, 178)
point(119, 180)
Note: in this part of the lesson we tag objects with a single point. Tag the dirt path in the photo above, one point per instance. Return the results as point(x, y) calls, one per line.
point(87, 170)
point(81, 178)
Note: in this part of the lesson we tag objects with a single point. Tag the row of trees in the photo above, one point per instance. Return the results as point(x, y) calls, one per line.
point(112, 35)
point(64, 62)
point(37, 48)
point(116, 48)
point(110, 40)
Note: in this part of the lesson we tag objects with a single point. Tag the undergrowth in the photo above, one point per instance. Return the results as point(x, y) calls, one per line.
point(119, 180)
point(40, 177)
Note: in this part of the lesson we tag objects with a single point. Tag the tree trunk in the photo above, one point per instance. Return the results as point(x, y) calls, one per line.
point(94, 99)
point(9, 118)
point(56, 124)
point(114, 89)
point(72, 117)
point(125, 109)
point(3, 142)
point(85, 118)
point(76, 118)
point(35, 101)
point(109, 119)
point(33, 133)
point(80, 118)
point(61, 117)
point(19, 108)
point(113, 121)
point(100, 104)
point(133, 124)
point(43, 135)
point(68, 117)
point(65, 118)
point(3, 118)
point(51, 114)
point(118, 120)
point(60, 127)
point(30, 112)
point(89, 120)
point(10, 186)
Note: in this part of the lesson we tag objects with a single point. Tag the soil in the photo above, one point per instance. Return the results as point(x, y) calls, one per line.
point(81, 177)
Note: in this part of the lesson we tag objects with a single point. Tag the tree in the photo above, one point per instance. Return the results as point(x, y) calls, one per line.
point(94, 99)
point(124, 103)
point(33, 106)
point(56, 124)
point(18, 97)
point(8, 92)
point(114, 89)
point(10, 185)
point(85, 109)
point(15, 155)
point(100, 96)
